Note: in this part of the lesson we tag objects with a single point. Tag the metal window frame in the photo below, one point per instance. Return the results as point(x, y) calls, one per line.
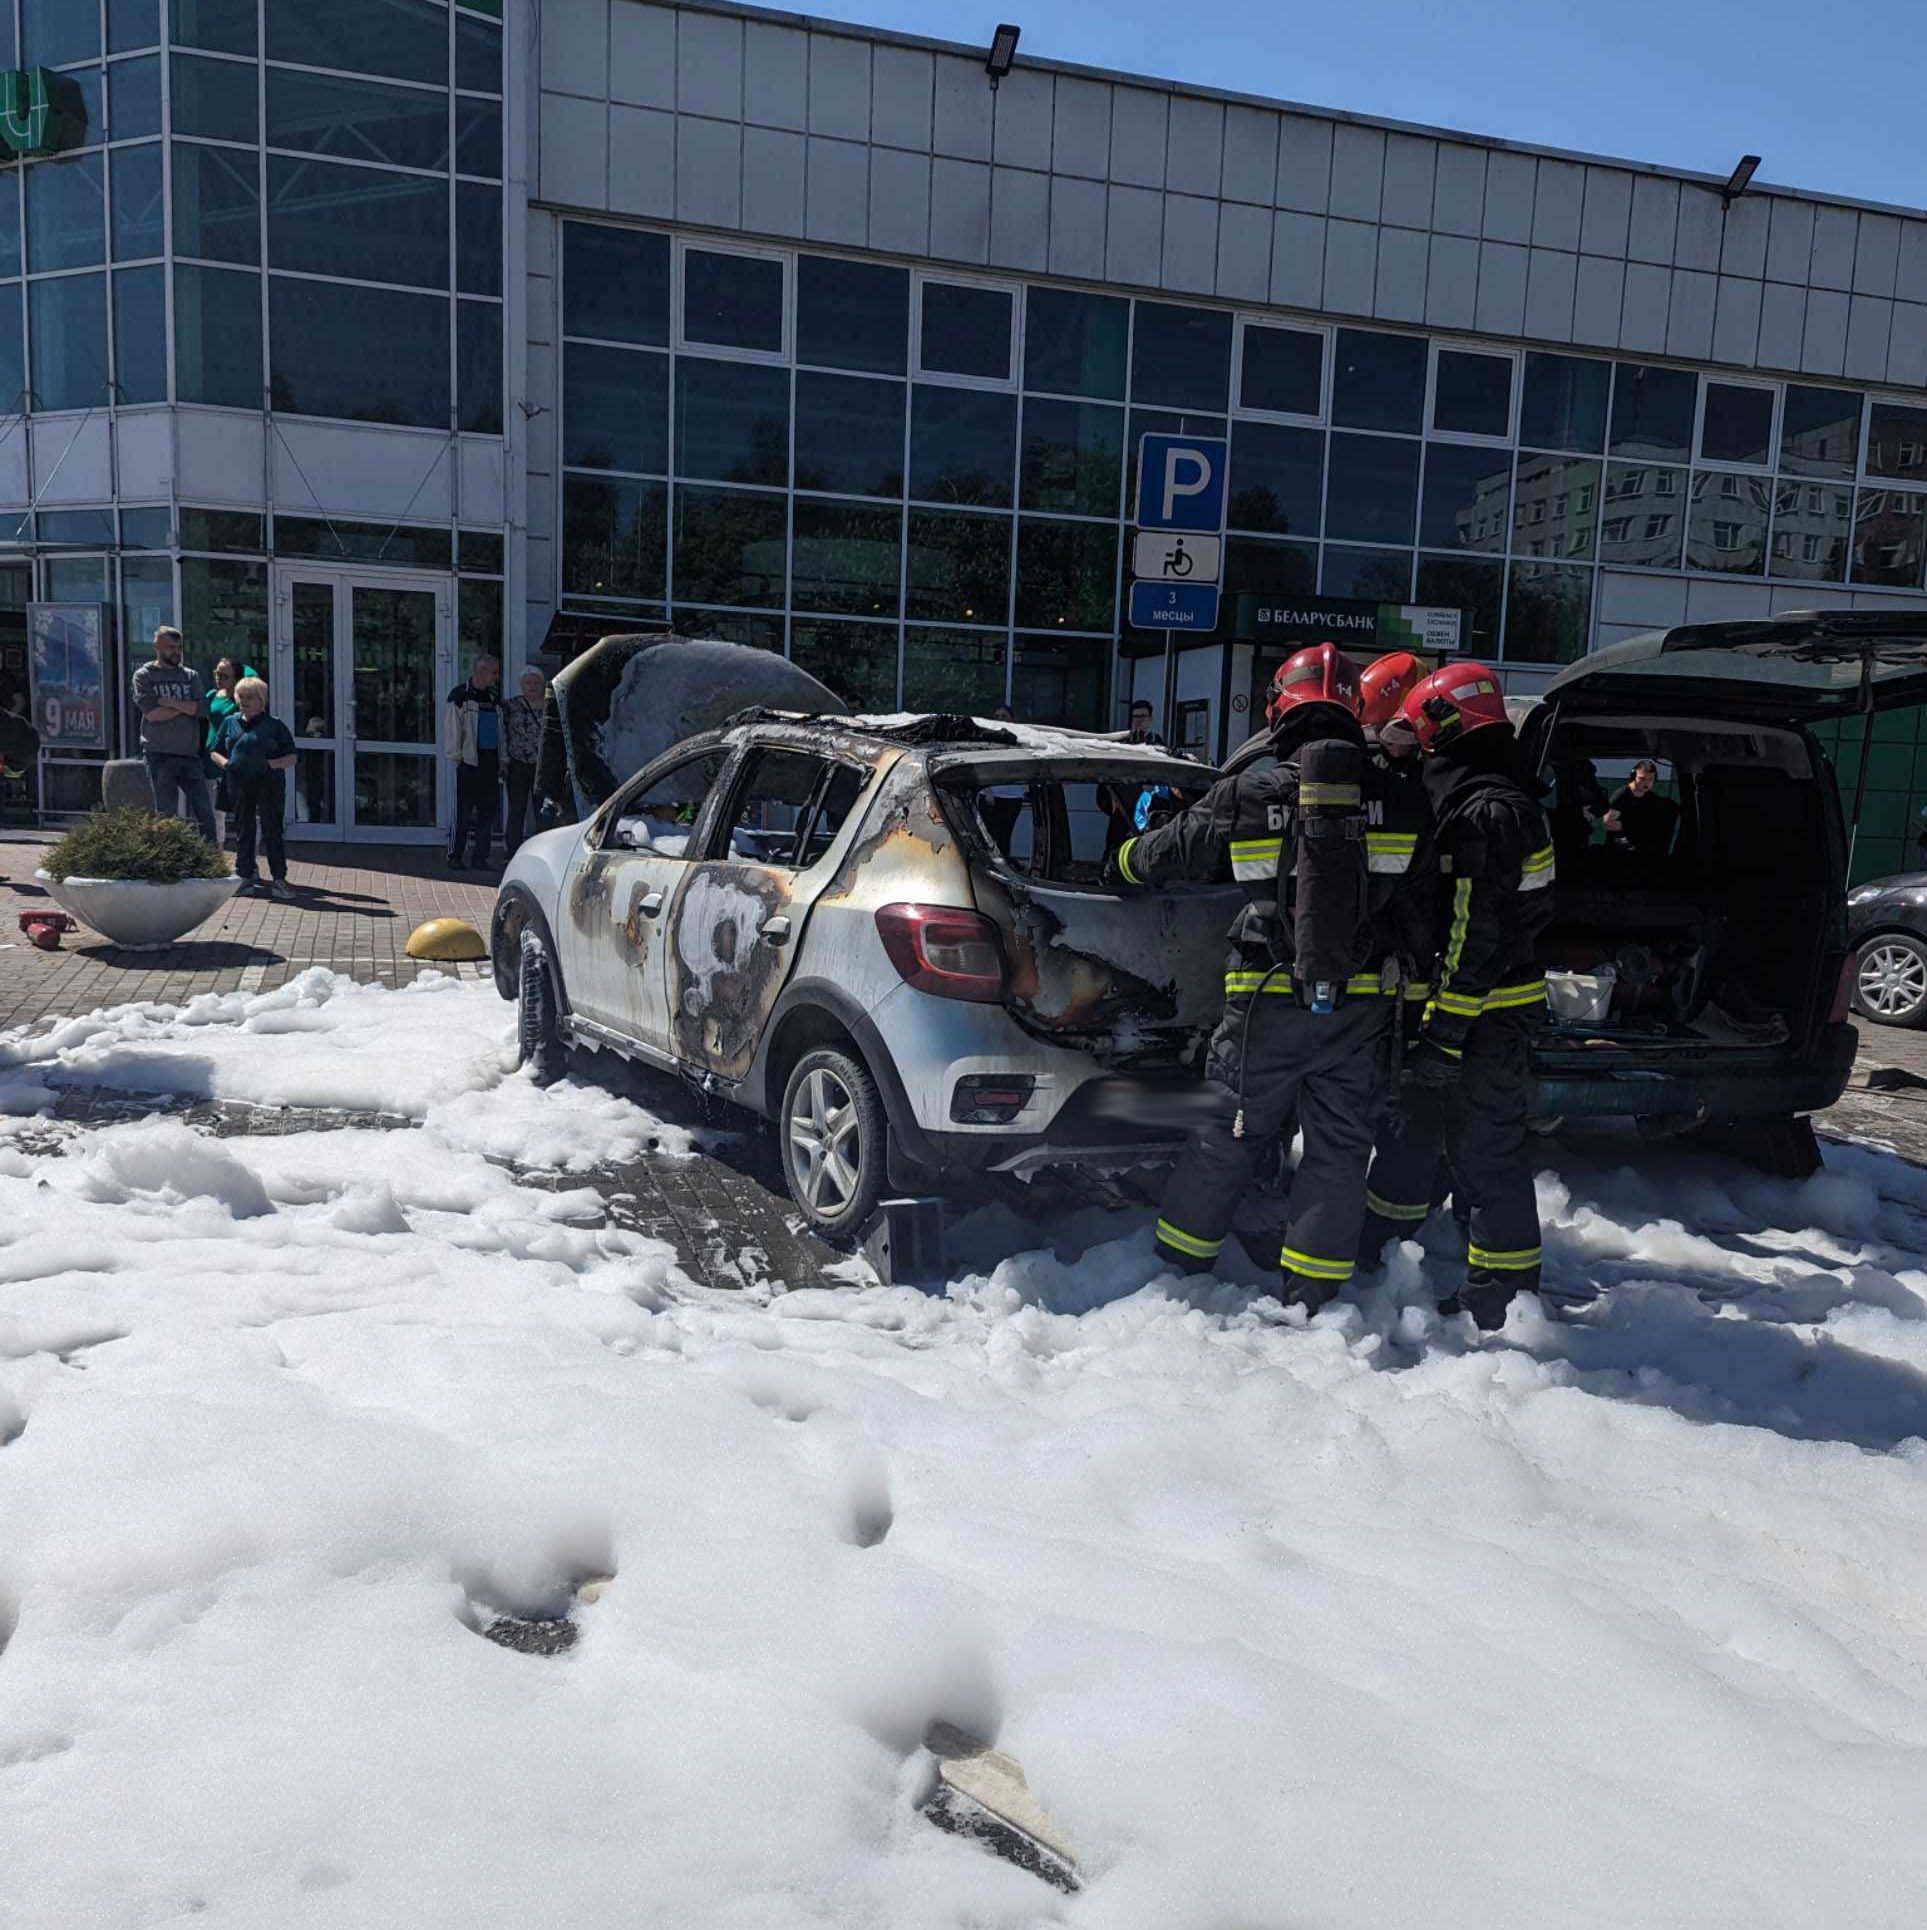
point(682, 246)
point(922, 280)
point(1775, 393)
point(1452, 345)
point(1243, 322)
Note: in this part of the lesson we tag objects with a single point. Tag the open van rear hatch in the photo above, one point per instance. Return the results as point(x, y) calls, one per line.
point(1130, 978)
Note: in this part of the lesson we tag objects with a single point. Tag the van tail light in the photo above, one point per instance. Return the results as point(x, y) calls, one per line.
point(1842, 1005)
point(952, 954)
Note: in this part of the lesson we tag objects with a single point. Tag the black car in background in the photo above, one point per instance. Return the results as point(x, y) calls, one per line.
point(1887, 920)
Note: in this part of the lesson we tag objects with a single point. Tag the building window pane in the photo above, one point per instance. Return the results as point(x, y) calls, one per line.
point(857, 660)
point(963, 446)
point(1642, 518)
point(1468, 497)
point(131, 24)
point(1060, 680)
point(478, 366)
point(954, 672)
point(478, 137)
point(478, 55)
point(322, 365)
point(1555, 511)
point(325, 219)
point(1653, 412)
point(733, 301)
point(134, 99)
point(849, 434)
point(1181, 357)
point(728, 626)
point(1283, 370)
point(402, 39)
point(1563, 405)
point(731, 547)
point(1820, 431)
point(148, 528)
point(54, 32)
point(615, 409)
point(69, 335)
point(1472, 394)
point(959, 568)
point(407, 545)
point(615, 284)
point(966, 331)
point(217, 209)
point(1074, 344)
point(1548, 616)
point(13, 357)
point(1726, 526)
point(732, 421)
point(358, 120)
point(1473, 589)
point(852, 315)
point(217, 337)
point(1889, 537)
point(1896, 439)
point(66, 213)
point(10, 247)
point(478, 621)
point(478, 239)
point(140, 334)
point(140, 205)
point(1156, 422)
point(224, 608)
point(479, 552)
point(613, 537)
point(1737, 425)
point(1276, 477)
point(222, 529)
point(846, 557)
point(1252, 568)
point(1073, 456)
point(1378, 381)
point(1376, 576)
point(1066, 575)
point(216, 98)
point(1372, 496)
point(1812, 528)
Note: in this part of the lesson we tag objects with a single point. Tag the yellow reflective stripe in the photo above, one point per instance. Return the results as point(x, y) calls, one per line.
point(1462, 1005)
point(1256, 847)
point(1538, 870)
point(1461, 919)
point(1541, 860)
point(1329, 794)
point(1317, 1269)
point(1509, 998)
point(1236, 983)
point(1392, 1210)
point(1129, 876)
point(1450, 1051)
point(1188, 1242)
point(1519, 1260)
point(1386, 840)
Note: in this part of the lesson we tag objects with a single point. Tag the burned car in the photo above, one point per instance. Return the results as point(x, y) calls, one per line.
point(888, 936)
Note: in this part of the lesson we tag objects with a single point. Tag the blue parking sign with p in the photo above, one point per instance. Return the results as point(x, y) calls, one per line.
point(1180, 482)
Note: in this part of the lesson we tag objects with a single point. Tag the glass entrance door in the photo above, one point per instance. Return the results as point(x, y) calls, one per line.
point(365, 659)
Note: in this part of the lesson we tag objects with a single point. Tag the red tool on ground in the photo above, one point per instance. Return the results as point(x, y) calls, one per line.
point(43, 928)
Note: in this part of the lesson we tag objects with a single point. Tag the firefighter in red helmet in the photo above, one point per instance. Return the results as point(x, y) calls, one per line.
point(1316, 961)
point(1465, 1080)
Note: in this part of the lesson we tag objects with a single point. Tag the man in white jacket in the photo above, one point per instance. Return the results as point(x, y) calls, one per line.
point(472, 742)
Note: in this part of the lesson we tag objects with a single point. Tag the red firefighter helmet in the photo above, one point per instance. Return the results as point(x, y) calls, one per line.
point(1383, 684)
point(1452, 703)
point(1322, 674)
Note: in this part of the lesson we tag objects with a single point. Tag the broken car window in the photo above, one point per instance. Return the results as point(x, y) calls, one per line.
point(789, 807)
point(1062, 829)
point(660, 815)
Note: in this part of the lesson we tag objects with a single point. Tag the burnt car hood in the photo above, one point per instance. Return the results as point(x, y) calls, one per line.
point(626, 700)
point(1807, 667)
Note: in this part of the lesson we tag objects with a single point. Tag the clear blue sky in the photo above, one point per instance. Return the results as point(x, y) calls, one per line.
point(1828, 94)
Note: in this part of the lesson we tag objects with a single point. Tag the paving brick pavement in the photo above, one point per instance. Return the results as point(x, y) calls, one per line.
point(354, 908)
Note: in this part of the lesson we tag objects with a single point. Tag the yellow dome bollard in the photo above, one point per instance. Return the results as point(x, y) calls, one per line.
point(447, 939)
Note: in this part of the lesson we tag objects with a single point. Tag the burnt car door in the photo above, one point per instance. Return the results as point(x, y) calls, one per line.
point(738, 924)
point(636, 858)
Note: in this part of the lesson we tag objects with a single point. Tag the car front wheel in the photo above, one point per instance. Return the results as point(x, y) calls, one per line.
point(538, 1017)
point(833, 1138)
point(1891, 984)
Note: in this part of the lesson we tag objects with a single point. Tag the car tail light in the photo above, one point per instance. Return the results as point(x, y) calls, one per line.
point(1842, 1004)
point(990, 1098)
point(953, 954)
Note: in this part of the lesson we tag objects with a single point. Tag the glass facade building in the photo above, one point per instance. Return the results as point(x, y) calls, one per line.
point(361, 338)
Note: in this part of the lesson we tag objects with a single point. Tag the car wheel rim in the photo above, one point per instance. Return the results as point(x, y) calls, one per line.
point(1893, 980)
point(825, 1149)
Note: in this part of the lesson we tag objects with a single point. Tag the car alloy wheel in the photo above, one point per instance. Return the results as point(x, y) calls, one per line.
point(1892, 981)
point(826, 1146)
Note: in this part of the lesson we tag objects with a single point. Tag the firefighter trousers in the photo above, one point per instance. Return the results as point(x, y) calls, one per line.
point(1472, 1140)
point(1331, 1067)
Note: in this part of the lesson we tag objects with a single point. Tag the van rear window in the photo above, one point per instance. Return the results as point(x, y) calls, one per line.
point(1061, 829)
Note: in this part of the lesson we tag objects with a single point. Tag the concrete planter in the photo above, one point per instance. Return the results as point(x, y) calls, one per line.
point(137, 916)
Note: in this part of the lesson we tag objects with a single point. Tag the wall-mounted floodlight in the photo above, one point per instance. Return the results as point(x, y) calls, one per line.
point(1003, 50)
point(1736, 182)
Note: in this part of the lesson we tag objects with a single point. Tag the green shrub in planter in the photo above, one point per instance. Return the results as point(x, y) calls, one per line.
point(135, 846)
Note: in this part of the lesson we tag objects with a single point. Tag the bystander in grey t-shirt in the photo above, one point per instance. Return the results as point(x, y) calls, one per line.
point(164, 683)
